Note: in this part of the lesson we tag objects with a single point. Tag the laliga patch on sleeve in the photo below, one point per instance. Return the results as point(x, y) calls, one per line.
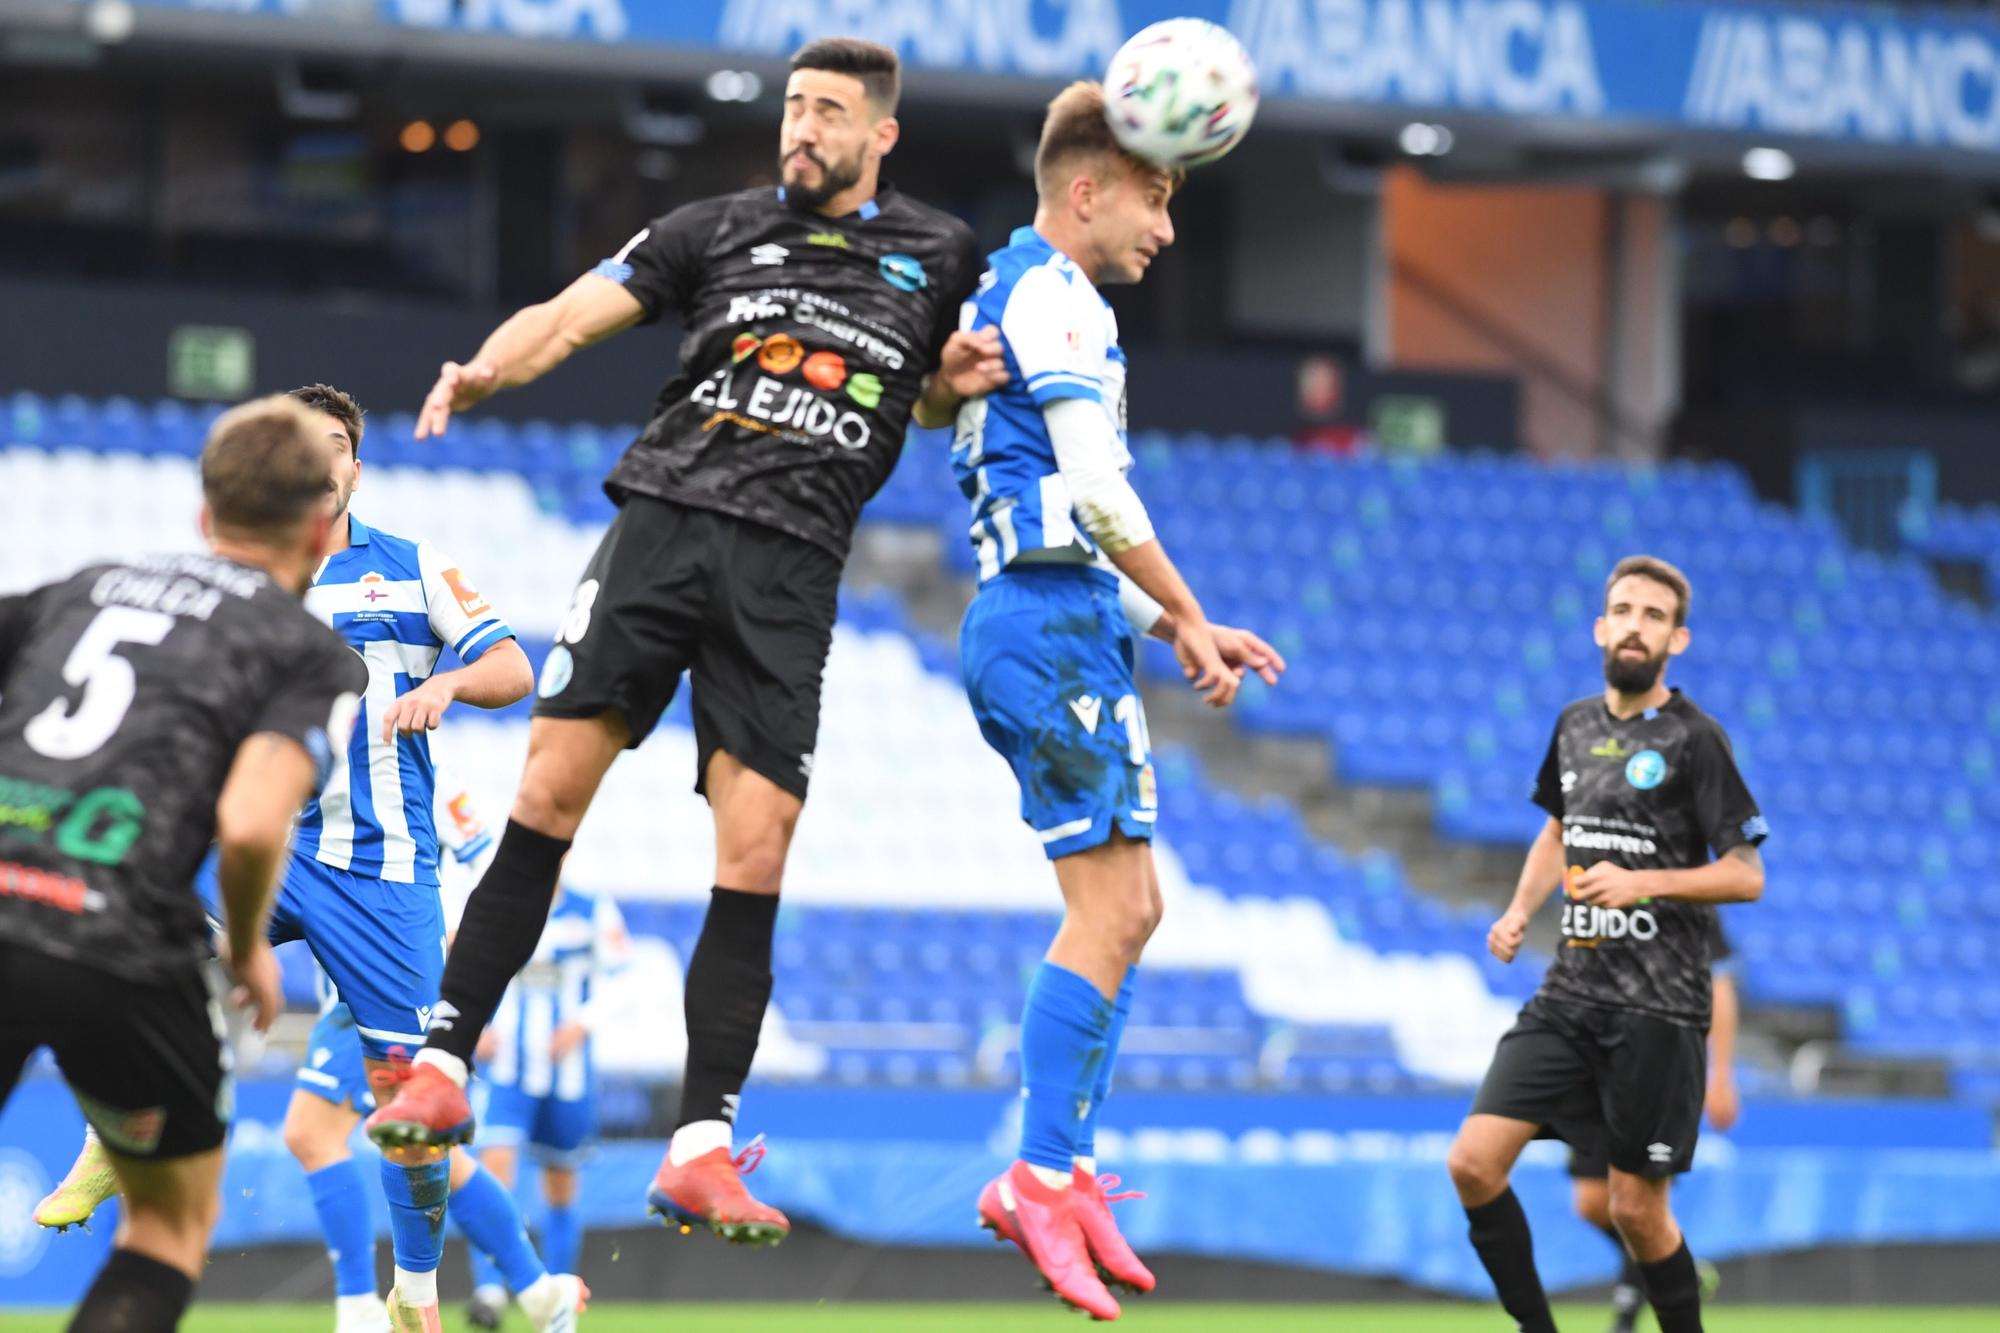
point(469, 599)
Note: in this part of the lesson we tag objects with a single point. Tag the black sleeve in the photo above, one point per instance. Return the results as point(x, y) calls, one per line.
point(967, 266)
point(661, 265)
point(1724, 809)
point(1549, 782)
point(315, 701)
point(16, 615)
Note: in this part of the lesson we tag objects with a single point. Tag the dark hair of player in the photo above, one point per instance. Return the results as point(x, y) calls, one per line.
point(1074, 128)
point(871, 62)
point(340, 406)
point(263, 469)
point(1660, 572)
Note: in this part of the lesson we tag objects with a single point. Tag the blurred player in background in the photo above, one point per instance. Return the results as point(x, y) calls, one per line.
point(816, 315)
point(1048, 653)
point(538, 1082)
point(362, 891)
point(1589, 1169)
point(1640, 785)
point(148, 708)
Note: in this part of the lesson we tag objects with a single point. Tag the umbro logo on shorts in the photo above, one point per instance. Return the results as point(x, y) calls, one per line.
point(1660, 1152)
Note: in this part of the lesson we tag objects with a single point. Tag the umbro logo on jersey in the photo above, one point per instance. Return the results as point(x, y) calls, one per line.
point(769, 254)
point(1087, 708)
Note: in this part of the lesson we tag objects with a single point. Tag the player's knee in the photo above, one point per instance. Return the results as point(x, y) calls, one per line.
point(1477, 1177)
point(543, 808)
point(1639, 1215)
point(310, 1146)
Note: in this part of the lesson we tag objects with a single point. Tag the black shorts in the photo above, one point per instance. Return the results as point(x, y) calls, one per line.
point(1618, 1085)
point(147, 1061)
point(746, 609)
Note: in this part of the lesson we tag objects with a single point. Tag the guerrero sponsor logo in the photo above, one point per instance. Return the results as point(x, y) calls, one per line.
point(1597, 840)
point(828, 317)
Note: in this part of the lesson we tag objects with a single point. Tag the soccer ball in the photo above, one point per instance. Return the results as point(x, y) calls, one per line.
point(1180, 93)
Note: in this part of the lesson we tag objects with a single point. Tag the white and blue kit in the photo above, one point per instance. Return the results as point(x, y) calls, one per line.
point(1046, 648)
point(361, 887)
point(529, 1096)
point(332, 1069)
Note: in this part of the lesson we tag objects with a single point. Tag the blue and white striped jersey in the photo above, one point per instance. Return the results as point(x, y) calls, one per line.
point(399, 604)
point(1060, 339)
point(583, 949)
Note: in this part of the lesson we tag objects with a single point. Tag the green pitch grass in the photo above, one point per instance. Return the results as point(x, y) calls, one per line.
point(1142, 1318)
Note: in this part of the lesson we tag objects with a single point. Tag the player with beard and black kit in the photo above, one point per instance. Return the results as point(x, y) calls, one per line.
point(817, 317)
point(1641, 786)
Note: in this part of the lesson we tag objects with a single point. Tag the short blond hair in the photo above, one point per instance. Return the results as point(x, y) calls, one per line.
point(1659, 571)
point(1075, 129)
point(263, 467)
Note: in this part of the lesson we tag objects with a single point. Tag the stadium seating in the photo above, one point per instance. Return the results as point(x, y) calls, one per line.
point(1435, 615)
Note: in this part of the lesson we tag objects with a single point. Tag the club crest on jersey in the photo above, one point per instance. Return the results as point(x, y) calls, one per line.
point(1646, 770)
point(904, 273)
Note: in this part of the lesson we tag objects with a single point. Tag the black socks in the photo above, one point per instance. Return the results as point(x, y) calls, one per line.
point(134, 1294)
point(728, 988)
point(1674, 1287)
point(1500, 1233)
point(503, 922)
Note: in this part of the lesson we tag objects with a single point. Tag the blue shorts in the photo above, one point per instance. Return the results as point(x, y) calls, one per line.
point(332, 1070)
point(558, 1132)
point(1047, 656)
point(381, 944)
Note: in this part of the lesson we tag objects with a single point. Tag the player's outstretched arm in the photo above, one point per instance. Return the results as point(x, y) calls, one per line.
point(1540, 874)
point(501, 676)
point(530, 344)
point(270, 779)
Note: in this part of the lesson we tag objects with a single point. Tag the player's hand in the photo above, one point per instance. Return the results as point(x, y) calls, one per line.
point(1722, 1104)
point(566, 1039)
point(419, 710)
point(972, 364)
point(1244, 651)
point(260, 985)
point(458, 387)
point(1202, 663)
point(1607, 885)
point(1504, 940)
point(488, 1047)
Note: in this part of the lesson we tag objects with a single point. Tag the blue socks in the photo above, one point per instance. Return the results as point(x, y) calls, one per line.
point(562, 1238)
point(416, 1197)
point(1063, 1052)
point(486, 1212)
point(1086, 1133)
point(339, 1197)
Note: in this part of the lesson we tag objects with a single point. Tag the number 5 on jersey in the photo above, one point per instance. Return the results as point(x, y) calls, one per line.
point(107, 680)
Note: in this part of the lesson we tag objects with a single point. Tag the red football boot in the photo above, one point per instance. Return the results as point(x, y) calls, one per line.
point(1042, 1221)
point(709, 1192)
point(428, 1110)
point(1116, 1263)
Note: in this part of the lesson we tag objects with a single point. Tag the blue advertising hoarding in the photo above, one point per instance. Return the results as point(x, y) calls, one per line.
point(1903, 79)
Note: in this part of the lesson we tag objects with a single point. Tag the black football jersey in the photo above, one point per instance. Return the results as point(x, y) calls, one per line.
point(125, 692)
point(1659, 791)
point(805, 344)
